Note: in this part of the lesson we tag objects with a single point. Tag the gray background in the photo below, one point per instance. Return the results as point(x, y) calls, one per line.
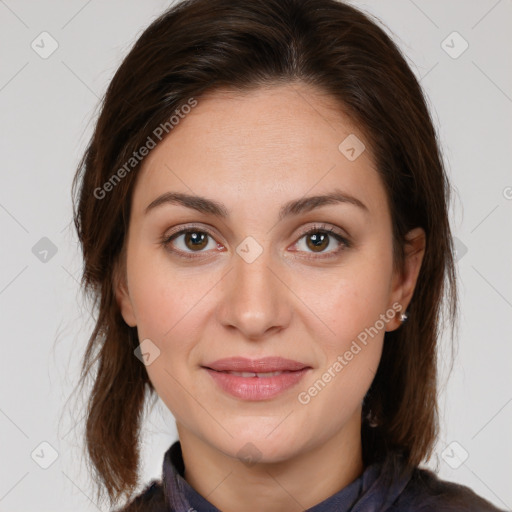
point(48, 107)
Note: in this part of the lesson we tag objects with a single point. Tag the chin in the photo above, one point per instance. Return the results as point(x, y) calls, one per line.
point(252, 443)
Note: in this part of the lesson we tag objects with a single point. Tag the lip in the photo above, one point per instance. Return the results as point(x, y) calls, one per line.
point(256, 387)
point(263, 365)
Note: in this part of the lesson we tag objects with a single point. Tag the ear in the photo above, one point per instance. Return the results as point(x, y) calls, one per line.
point(123, 295)
point(404, 282)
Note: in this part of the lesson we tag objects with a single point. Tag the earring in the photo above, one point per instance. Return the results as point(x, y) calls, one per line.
point(404, 317)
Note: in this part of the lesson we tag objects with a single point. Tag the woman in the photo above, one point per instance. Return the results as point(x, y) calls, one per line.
point(263, 213)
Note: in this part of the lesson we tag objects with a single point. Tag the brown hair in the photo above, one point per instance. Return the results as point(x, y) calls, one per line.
point(200, 46)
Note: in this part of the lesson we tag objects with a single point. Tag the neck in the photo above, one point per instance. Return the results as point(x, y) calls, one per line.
point(299, 483)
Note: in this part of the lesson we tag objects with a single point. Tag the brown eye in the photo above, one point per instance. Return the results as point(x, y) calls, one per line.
point(322, 241)
point(188, 241)
point(196, 240)
point(317, 242)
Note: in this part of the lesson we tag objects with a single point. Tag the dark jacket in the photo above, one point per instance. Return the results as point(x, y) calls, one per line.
point(383, 487)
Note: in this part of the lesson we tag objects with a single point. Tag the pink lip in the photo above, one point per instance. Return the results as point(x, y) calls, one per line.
point(266, 364)
point(256, 388)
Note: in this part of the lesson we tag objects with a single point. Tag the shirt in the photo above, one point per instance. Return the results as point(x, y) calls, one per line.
point(388, 486)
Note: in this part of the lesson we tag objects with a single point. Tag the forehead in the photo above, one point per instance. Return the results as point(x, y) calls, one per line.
point(271, 142)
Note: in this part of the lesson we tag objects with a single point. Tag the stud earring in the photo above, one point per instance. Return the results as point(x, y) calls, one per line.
point(403, 318)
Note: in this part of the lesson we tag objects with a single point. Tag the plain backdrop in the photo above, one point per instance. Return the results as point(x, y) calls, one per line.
point(460, 50)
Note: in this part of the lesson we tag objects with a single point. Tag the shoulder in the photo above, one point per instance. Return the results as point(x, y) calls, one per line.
point(151, 499)
point(426, 492)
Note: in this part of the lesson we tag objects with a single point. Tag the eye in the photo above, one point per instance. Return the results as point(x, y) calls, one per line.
point(315, 240)
point(319, 238)
point(190, 240)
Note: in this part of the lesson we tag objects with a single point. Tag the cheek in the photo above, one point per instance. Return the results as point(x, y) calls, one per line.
point(351, 343)
point(164, 296)
point(170, 311)
point(348, 299)
point(349, 351)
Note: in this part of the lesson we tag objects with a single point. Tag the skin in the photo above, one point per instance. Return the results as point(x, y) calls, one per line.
point(253, 152)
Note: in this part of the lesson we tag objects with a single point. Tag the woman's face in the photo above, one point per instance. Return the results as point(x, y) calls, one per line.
point(248, 282)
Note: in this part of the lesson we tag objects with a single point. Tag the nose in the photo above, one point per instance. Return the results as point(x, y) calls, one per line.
point(255, 298)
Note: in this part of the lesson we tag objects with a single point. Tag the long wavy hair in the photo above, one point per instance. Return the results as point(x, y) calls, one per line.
point(196, 47)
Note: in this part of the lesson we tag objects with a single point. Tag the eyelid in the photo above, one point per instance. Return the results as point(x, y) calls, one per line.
point(182, 229)
point(344, 240)
point(322, 226)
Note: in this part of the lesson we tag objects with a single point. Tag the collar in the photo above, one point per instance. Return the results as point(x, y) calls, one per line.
point(374, 490)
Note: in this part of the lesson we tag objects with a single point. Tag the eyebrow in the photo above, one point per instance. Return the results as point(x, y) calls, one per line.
point(294, 207)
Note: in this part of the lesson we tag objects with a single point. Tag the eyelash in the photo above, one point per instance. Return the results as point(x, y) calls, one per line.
point(322, 229)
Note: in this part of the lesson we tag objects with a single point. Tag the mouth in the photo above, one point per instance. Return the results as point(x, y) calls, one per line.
point(258, 366)
point(256, 379)
point(253, 374)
